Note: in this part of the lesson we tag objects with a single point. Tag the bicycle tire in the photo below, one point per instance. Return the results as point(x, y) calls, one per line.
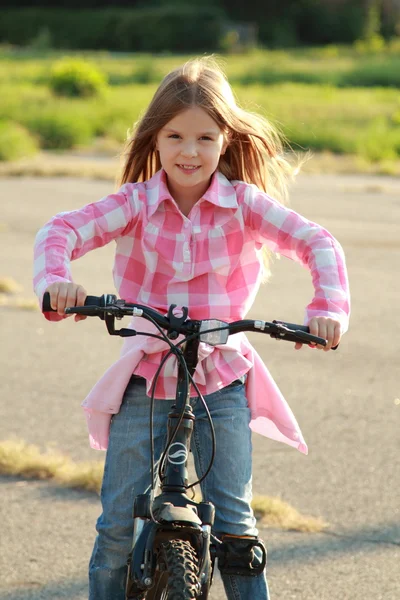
point(177, 567)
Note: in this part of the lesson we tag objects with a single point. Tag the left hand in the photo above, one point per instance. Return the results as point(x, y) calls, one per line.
point(326, 328)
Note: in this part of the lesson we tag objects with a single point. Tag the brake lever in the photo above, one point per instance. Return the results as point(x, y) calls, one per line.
point(290, 329)
point(308, 338)
point(316, 340)
point(89, 311)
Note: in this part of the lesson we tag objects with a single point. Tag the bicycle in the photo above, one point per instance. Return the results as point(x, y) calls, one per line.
point(173, 548)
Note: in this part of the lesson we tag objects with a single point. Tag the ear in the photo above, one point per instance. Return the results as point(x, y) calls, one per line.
point(227, 139)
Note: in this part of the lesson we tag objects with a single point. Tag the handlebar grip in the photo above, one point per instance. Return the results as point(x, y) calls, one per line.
point(90, 301)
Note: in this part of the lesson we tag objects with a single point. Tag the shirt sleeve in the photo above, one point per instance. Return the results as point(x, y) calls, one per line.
point(70, 235)
point(287, 233)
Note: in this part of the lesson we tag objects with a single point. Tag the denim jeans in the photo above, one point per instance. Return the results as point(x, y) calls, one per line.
point(127, 473)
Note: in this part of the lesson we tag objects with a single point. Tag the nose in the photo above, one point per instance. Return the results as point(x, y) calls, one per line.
point(189, 150)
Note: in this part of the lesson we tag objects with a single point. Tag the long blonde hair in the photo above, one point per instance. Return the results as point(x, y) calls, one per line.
point(255, 152)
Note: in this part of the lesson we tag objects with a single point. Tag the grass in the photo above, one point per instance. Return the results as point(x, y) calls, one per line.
point(364, 122)
point(9, 286)
point(329, 99)
point(19, 303)
point(8, 289)
point(17, 458)
point(85, 164)
point(275, 512)
point(20, 459)
point(342, 66)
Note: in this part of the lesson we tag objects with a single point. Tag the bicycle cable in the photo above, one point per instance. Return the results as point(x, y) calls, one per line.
point(213, 446)
point(201, 397)
point(175, 350)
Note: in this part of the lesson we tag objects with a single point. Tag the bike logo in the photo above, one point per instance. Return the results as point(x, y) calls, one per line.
point(177, 454)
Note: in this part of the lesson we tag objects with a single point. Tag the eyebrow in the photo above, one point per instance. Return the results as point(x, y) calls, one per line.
point(209, 132)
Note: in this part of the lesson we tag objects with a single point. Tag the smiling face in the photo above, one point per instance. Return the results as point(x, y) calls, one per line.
point(189, 147)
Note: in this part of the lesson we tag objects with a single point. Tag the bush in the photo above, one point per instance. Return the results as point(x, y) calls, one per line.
point(42, 41)
point(180, 28)
point(379, 140)
point(174, 28)
point(58, 131)
point(15, 142)
point(377, 72)
point(76, 78)
point(146, 72)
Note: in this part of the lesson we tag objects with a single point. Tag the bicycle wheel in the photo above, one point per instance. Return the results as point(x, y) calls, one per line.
point(176, 575)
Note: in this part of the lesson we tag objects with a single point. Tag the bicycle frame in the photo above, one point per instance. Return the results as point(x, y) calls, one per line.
point(173, 511)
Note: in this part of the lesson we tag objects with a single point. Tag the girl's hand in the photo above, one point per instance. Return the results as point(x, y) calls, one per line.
point(66, 294)
point(324, 327)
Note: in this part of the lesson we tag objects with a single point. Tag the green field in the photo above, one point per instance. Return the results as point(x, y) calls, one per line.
point(341, 100)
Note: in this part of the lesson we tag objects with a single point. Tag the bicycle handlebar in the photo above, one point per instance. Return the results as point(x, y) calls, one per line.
point(109, 306)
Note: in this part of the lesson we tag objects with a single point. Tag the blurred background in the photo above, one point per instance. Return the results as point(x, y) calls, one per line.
point(325, 72)
point(73, 80)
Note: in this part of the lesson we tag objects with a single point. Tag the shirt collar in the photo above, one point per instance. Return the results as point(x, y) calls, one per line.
point(220, 192)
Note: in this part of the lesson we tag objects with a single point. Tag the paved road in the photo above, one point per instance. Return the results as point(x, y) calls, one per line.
point(346, 402)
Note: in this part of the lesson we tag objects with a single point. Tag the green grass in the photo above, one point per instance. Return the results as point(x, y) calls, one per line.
point(340, 66)
point(312, 95)
point(357, 121)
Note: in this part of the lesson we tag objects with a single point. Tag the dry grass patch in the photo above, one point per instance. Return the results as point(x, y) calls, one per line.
point(8, 289)
point(274, 512)
point(20, 303)
point(25, 460)
point(9, 286)
point(18, 458)
point(348, 164)
point(47, 164)
point(104, 164)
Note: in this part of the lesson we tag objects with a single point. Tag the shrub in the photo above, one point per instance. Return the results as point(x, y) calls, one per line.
point(372, 45)
point(146, 72)
point(76, 78)
point(15, 142)
point(170, 27)
point(42, 41)
point(377, 71)
point(379, 141)
point(58, 131)
point(174, 28)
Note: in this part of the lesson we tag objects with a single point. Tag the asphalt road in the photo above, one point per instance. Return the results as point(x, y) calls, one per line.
point(347, 403)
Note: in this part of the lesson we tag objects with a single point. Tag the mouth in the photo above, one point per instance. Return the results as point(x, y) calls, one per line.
point(188, 168)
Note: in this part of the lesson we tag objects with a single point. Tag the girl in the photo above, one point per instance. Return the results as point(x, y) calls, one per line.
point(189, 222)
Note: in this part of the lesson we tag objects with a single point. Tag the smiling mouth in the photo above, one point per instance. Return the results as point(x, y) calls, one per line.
point(188, 167)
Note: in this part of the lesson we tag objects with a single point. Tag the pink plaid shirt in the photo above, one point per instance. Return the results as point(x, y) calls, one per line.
point(209, 262)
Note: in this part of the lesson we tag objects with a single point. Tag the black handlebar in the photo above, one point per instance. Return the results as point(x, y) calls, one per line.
point(90, 301)
point(108, 307)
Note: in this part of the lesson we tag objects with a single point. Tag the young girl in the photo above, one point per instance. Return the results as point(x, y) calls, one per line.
point(190, 221)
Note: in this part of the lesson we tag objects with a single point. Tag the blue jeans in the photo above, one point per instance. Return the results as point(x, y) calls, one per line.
point(127, 473)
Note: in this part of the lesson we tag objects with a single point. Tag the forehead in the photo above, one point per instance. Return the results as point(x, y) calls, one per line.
point(194, 119)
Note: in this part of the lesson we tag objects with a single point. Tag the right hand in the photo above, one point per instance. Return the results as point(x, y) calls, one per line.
point(65, 294)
